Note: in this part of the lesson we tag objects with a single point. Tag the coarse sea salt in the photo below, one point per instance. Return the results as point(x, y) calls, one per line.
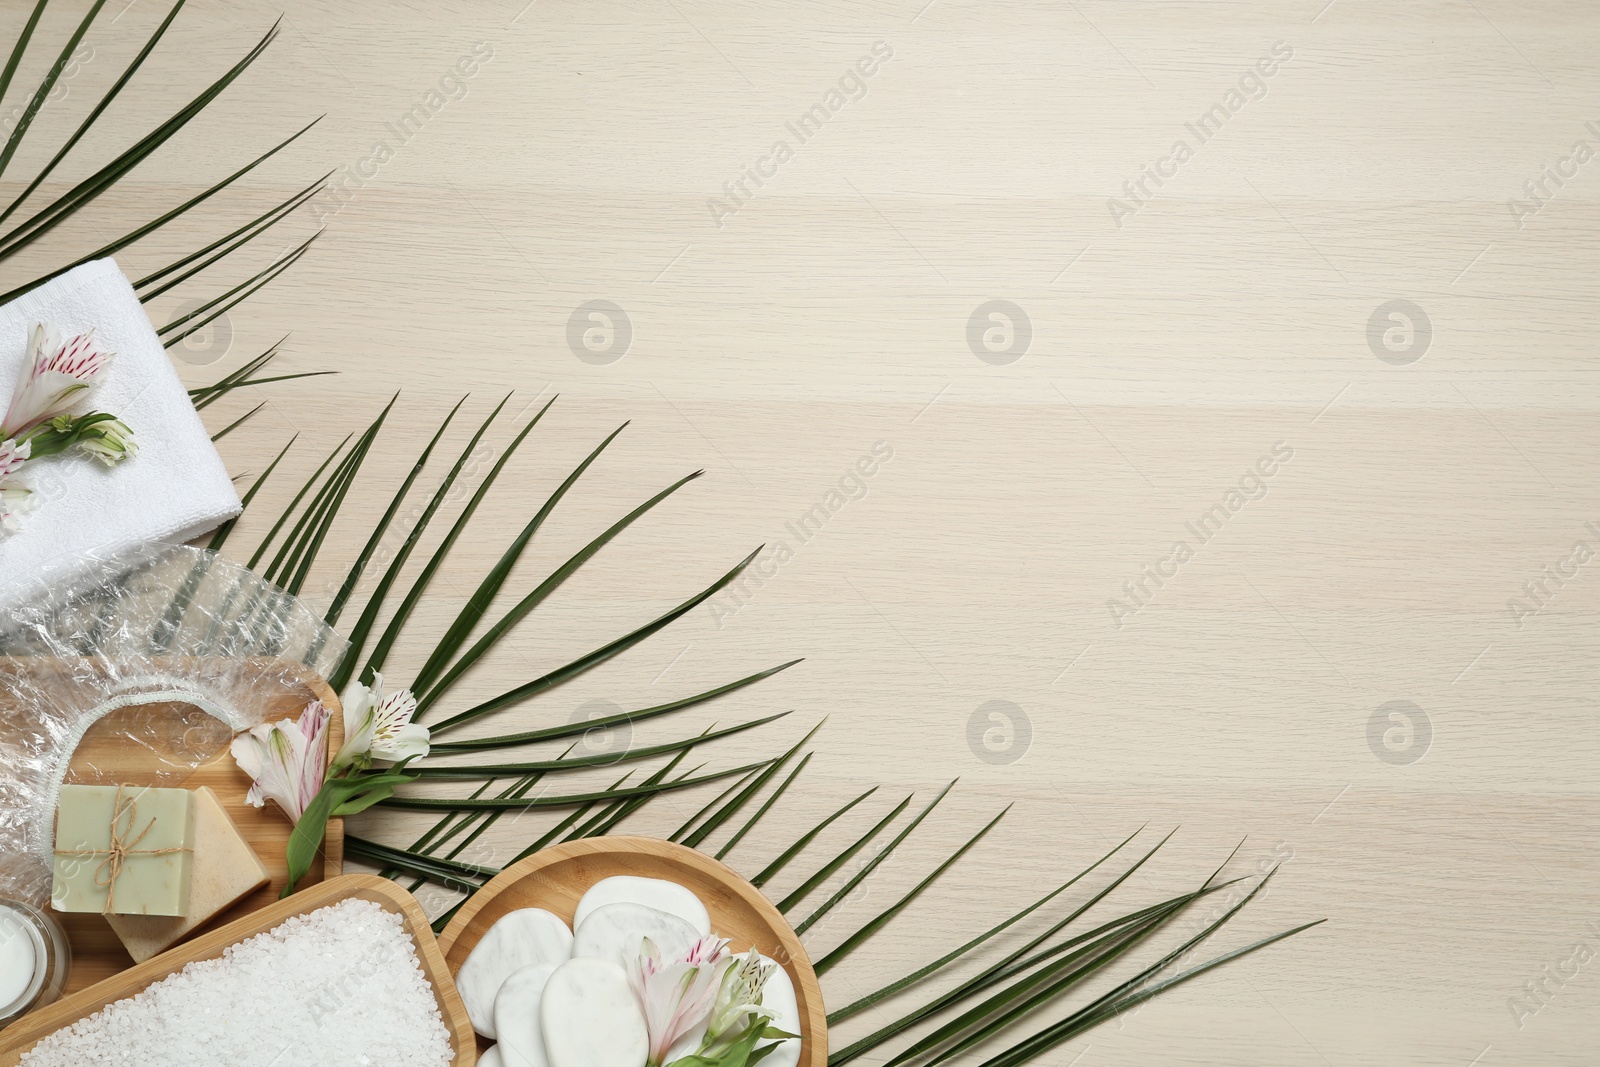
point(338, 986)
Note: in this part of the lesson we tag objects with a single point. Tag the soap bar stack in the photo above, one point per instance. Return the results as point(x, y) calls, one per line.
point(158, 863)
point(225, 870)
point(123, 850)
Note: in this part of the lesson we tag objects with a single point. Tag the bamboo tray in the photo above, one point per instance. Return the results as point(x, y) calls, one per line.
point(556, 878)
point(105, 756)
point(28, 1031)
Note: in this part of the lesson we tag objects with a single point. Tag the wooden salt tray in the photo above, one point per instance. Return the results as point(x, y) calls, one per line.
point(30, 1029)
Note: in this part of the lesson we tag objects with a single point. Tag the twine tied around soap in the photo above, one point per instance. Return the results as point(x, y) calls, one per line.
point(121, 848)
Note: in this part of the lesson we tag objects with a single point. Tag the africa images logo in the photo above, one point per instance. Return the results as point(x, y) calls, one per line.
point(1252, 485)
point(1252, 85)
point(852, 85)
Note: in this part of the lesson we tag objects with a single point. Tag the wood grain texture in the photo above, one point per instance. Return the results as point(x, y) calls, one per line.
point(107, 755)
point(556, 878)
point(831, 312)
point(20, 1037)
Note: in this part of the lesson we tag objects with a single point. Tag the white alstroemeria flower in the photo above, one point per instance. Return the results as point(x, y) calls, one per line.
point(676, 997)
point(13, 456)
point(110, 442)
point(15, 497)
point(16, 500)
point(57, 372)
point(738, 1002)
point(285, 760)
point(378, 726)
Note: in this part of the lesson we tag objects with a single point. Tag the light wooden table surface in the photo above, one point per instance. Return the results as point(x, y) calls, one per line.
point(1329, 282)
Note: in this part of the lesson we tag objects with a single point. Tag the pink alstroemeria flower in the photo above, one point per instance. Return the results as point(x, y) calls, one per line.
point(286, 761)
point(57, 371)
point(677, 997)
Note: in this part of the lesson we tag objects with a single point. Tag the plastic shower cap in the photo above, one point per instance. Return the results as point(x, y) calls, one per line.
point(162, 625)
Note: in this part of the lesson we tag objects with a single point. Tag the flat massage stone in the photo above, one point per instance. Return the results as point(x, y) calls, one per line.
point(615, 931)
point(491, 1058)
point(519, 939)
point(516, 1017)
point(591, 1017)
point(656, 893)
point(779, 996)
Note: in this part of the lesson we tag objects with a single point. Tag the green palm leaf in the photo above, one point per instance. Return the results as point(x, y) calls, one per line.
point(228, 242)
point(266, 542)
point(1012, 963)
point(353, 577)
point(20, 47)
point(765, 807)
point(572, 729)
point(479, 602)
point(236, 423)
point(598, 656)
point(741, 798)
point(900, 984)
point(20, 130)
point(219, 538)
point(192, 322)
point(872, 864)
point(854, 941)
point(841, 859)
point(507, 770)
point(414, 803)
point(1046, 969)
point(1125, 995)
point(102, 180)
point(788, 854)
point(380, 651)
point(369, 615)
point(481, 598)
point(99, 109)
point(209, 394)
point(688, 824)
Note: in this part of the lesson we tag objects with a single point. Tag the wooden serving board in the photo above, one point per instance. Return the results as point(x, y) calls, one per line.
point(555, 879)
point(28, 1031)
point(106, 755)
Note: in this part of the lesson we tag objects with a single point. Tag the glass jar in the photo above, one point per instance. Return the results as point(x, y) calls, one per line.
point(34, 959)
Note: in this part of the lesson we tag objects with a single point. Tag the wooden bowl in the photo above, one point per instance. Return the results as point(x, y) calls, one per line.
point(556, 878)
point(30, 1029)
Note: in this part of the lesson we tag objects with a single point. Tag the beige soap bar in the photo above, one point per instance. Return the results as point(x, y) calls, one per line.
point(149, 875)
point(226, 869)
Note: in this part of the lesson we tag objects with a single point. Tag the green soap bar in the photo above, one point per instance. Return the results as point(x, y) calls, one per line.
point(150, 881)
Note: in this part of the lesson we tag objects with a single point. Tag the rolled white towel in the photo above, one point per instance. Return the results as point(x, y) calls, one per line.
point(174, 488)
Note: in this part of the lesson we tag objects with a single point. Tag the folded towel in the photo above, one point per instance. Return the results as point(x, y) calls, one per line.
point(174, 488)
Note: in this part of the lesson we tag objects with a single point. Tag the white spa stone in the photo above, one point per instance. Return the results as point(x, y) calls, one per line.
point(516, 1017)
point(656, 893)
point(591, 1018)
point(519, 939)
point(779, 996)
point(615, 931)
point(491, 1058)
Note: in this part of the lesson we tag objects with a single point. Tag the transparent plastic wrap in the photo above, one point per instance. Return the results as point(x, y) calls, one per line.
point(162, 651)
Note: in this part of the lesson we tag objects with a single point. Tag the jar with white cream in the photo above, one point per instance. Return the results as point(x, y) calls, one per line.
point(34, 960)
